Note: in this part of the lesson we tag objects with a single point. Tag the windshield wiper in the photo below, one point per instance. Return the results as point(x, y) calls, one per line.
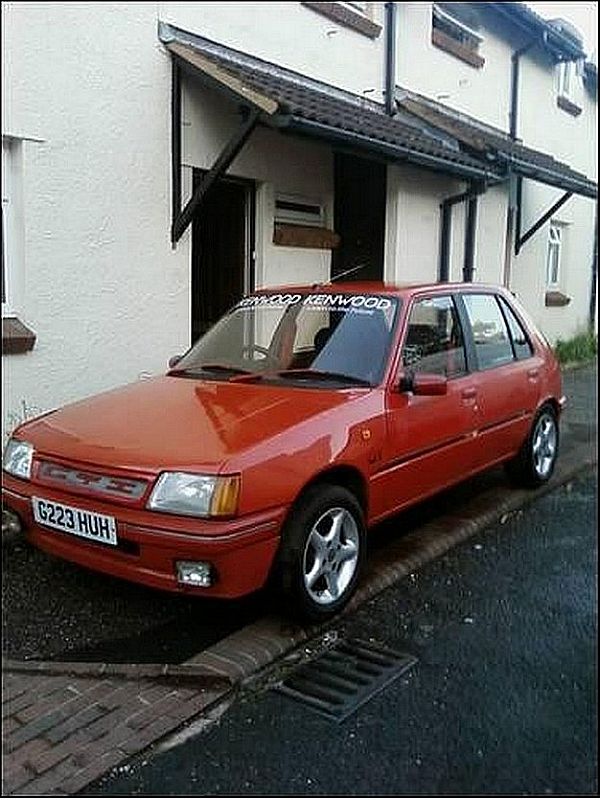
point(317, 374)
point(209, 368)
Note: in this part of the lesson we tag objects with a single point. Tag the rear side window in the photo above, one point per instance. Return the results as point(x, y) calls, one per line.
point(434, 340)
point(490, 332)
point(521, 343)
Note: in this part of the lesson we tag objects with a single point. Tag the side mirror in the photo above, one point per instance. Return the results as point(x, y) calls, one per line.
point(174, 360)
point(424, 384)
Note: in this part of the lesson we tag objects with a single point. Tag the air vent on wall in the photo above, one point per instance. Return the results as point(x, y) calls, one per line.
point(293, 210)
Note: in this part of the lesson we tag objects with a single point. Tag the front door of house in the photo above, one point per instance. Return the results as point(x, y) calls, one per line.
point(359, 217)
point(222, 251)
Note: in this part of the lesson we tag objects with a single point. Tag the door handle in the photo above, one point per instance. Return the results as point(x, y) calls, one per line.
point(469, 394)
point(533, 373)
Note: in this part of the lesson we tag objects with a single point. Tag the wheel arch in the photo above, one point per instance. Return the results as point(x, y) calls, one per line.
point(344, 475)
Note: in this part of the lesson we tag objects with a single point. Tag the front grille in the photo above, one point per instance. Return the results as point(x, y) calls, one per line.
point(83, 482)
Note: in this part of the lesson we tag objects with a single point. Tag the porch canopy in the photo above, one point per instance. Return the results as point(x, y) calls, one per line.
point(293, 103)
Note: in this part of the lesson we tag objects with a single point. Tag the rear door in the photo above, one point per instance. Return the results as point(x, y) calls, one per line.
point(507, 378)
point(429, 440)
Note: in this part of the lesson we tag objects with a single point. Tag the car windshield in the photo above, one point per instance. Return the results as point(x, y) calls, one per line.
point(333, 338)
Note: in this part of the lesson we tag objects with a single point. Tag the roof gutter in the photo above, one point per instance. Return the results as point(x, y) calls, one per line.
point(389, 151)
point(525, 169)
point(554, 39)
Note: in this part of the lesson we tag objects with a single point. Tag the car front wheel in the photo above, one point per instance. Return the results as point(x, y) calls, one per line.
point(322, 552)
point(535, 462)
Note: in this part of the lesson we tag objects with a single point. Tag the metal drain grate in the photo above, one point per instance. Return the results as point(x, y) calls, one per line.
point(341, 680)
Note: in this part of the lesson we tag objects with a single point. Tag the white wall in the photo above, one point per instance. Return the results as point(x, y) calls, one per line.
point(573, 140)
point(485, 95)
point(92, 82)
point(490, 244)
point(413, 224)
point(291, 35)
point(103, 289)
point(424, 68)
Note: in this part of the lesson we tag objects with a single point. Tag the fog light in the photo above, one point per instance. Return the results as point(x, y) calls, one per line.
point(195, 573)
point(11, 522)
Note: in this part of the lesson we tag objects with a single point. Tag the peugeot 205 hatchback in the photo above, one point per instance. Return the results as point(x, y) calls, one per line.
point(303, 417)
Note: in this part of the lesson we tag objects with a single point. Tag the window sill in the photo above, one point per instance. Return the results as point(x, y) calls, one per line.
point(17, 338)
point(305, 236)
point(345, 16)
point(449, 45)
point(555, 299)
point(568, 105)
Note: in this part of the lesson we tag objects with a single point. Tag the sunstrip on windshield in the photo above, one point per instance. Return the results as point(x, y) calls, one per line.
point(337, 301)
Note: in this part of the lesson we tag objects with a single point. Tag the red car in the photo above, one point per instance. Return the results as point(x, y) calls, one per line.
point(302, 418)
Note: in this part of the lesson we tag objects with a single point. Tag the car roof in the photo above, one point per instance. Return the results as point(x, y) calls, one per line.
point(404, 290)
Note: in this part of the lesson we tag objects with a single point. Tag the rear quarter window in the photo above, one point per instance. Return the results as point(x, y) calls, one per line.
point(521, 343)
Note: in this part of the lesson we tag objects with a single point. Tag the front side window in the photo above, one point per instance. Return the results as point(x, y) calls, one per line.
point(434, 340)
point(490, 332)
point(553, 257)
point(298, 338)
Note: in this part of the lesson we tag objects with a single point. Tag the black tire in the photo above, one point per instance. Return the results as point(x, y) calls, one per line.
point(530, 467)
point(314, 518)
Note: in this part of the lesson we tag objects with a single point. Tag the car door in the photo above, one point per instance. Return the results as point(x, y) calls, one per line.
point(428, 438)
point(507, 377)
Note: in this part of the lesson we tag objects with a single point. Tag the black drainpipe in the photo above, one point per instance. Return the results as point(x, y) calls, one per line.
point(594, 275)
point(390, 57)
point(470, 196)
point(469, 259)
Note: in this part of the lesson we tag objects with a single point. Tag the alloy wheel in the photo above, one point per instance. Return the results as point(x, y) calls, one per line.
point(544, 444)
point(331, 556)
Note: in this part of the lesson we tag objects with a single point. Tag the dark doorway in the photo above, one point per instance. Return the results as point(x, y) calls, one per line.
point(222, 251)
point(359, 210)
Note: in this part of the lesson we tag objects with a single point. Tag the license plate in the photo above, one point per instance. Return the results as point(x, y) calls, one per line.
point(97, 527)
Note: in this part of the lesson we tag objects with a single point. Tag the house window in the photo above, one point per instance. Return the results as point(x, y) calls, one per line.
point(452, 33)
point(361, 7)
point(354, 15)
point(568, 87)
point(553, 258)
point(16, 336)
point(566, 78)
point(9, 160)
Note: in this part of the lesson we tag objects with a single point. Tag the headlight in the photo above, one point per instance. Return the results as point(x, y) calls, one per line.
point(195, 495)
point(17, 458)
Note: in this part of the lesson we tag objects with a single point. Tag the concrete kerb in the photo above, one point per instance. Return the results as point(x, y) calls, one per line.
point(241, 659)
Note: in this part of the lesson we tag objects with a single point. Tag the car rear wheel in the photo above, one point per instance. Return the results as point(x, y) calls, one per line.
point(322, 552)
point(535, 462)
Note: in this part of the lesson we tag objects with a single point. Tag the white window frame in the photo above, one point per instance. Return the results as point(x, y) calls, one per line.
point(11, 156)
point(298, 216)
point(358, 7)
point(455, 23)
point(566, 77)
point(554, 253)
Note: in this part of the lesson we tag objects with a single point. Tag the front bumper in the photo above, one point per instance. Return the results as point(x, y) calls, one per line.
point(241, 550)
